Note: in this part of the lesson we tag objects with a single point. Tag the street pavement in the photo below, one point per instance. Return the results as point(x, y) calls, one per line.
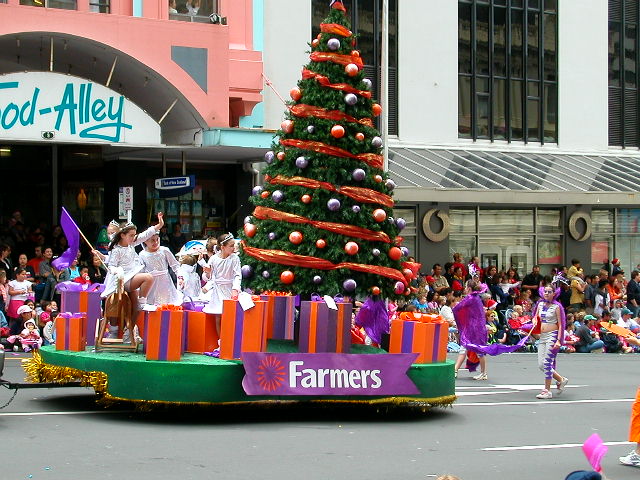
point(497, 429)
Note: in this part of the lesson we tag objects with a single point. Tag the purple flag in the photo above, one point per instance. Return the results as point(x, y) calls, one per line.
point(328, 374)
point(71, 231)
point(470, 319)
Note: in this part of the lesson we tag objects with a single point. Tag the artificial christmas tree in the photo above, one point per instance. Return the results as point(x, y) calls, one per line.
point(323, 222)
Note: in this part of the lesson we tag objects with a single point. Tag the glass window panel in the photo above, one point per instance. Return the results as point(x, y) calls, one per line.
point(533, 120)
point(500, 2)
point(550, 63)
point(393, 33)
point(533, 52)
point(517, 34)
point(630, 56)
point(483, 116)
point(515, 108)
point(482, 40)
point(550, 113)
point(499, 42)
point(534, 4)
point(510, 251)
point(601, 250)
point(549, 251)
point(462, 221)
point(463, 244)
point(409, 215)
point(549, 221)
point(533, 89)
point(628, 221)
point(628, 251)
point(506, 221)
point(366, 36)
point(614, 54)
point(551, 5)
point(500, 109)
point(62, 4)
point(464, 106)
point(482, 85)
point(517, 3)
point(602, 221)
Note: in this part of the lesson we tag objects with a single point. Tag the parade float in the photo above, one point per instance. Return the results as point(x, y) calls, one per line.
point(322, 235)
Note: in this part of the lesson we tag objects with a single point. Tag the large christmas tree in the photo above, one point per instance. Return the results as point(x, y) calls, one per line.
point(323, 222)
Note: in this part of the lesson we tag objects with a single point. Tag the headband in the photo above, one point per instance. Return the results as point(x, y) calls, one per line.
point(227, 238)
point(113, 223)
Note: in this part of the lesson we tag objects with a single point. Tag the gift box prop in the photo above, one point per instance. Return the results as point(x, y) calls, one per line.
point(325, 329)
point(71, 331)
point(199, 332)
point(75, 297)
point(243, 330)
point(280, 313)
point(163, 335)
point(426, 338)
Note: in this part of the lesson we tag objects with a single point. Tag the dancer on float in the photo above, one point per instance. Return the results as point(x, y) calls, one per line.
point(122, 254)
point(157, 261)
point(550, 313)
point(223, 276)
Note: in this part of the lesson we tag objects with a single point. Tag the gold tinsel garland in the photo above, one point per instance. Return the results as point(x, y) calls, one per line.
point(40, 372)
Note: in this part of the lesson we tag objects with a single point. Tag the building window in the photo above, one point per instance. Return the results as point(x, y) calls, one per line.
point(192, 10)
point(61, 4)
point(507, 70)
point(366, 23)
point(100, 6)
point(623, 73)
point(410, 232)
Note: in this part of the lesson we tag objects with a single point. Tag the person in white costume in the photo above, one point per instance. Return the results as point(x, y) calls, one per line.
point(157, 261)
point(122, 255)
point(222, 274)
point(188, 279)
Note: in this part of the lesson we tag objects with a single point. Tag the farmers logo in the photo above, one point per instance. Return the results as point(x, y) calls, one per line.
point(270, 373)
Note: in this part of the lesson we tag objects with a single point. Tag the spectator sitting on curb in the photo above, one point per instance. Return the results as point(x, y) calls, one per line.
point(587, 342)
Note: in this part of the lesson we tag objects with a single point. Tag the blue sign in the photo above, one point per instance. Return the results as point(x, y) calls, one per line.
point(175, 186)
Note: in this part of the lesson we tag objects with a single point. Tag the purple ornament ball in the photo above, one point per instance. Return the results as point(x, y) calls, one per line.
point(247, 271)
point(269, 156)
point(390, 184)
point(333, 44)
point(257, 190)
point(311, 129)
point(356, 209)
point(317, 279)
point(375, 252)
point(405, 251)
point(376, 142)
point(399, 288)
point(333, 204)
point(277, 196)
point(401, 223)
point(302, 162)
point(350, 99)
point(272, 236)
point(349, 285)
point(266, 274)
point(367, 83)
point(358, 174)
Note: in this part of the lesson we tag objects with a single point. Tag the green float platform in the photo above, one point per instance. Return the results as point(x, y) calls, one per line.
point(199, 379)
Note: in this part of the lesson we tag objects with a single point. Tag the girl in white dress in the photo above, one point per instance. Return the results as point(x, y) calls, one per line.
point(157, 261)
point(122, 255)
point(223, 276)
point(188, 279)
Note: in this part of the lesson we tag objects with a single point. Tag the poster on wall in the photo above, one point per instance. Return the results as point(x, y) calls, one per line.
point(599, 252)
point(549, 252)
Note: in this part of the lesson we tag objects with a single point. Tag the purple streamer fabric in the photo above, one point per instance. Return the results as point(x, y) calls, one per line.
point(79, 287)
point(374, 318)
point(71, 231)
point(496, 348)
point(470, 320)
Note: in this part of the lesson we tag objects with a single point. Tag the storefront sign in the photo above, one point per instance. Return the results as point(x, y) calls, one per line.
point(47, 106)
point(175, 186)
point(327, 374)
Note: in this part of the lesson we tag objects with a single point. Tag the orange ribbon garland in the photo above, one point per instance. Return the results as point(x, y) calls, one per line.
point(325, 82)
point(264, 213)
point(293, 260)
point(360, 194)
point(338, 58)
point(304, 110)
point(372, 159)
point(335, 28)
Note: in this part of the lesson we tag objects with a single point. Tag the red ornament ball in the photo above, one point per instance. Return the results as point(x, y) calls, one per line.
point(306, 198)
point(377, 109)
point(407, 292)
point(360, 136)
point(375, 290)
point(287, 277)
point(296, 237)
point(295, 93)
point(337, 131)
point(379, 215)
point(395, 253)
point(265, 193)
point(351, 69)
point(250, 230)
point(378, 178)
point(321, 243)
point(355, 53)
point(287, 126)
point(351, 248)
point(315, 43)
point(408, 274)
point(281, 155)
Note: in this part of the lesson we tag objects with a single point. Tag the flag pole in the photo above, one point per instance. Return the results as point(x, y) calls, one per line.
point(84, 238)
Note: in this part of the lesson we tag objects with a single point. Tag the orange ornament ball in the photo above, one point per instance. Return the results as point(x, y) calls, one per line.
point(306, 198)
point(287, 126)
point(281, 155)
point(360, 136)
point(250, 230)
point(377, 109)
point(375, 290)
point(337, 131)
point(378, 178)
point(351, 248)
point(287, 277)
point(296, 238)
point(315, 43)
point(265, 193)
point(321, 243)
point(395, 253)
point(295, 93)
point(379, 215)
point(351, 69)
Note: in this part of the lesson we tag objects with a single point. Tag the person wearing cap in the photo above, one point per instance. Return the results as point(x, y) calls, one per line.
point(431, 283)
point(626, 320)
point(29, 338)
point(587, 342)
point(615, 267)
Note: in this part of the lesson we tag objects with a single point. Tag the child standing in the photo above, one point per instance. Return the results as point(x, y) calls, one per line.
point(188, 279)
point(157, 260)
point(19, 291)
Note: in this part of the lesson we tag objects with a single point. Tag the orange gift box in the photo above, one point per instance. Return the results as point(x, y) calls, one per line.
point(200, 333)
point(428, 340)
point(163, 331)
point(71, 332)
point(242, 330)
